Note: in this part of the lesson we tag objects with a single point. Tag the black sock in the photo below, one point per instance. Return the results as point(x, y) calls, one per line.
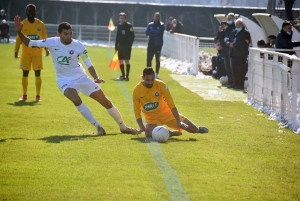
point(122, 69)
point(127, 70)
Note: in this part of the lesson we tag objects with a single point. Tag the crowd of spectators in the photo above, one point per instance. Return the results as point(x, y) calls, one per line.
point(233, 42)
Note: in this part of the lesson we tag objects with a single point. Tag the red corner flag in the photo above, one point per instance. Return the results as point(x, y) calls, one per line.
point(111, 25)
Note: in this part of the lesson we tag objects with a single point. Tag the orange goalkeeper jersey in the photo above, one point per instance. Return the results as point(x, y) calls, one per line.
point(153, 102)
point(34, 31)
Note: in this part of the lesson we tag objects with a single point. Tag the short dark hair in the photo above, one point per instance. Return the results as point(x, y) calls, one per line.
point(286, 23)
point(272, 36)
point(123, 14)
point(261, 43)
point(171, 18)
point(65, 26)
point(31, 5)
point(148, 71)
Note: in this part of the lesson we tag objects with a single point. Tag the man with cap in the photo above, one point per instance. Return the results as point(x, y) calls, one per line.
point(284, 38)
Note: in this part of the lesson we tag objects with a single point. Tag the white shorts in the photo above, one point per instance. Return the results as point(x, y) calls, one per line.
point(83, 84)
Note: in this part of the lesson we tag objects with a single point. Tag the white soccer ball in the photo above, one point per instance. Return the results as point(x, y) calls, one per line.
point(160, 134)
point(223, 80)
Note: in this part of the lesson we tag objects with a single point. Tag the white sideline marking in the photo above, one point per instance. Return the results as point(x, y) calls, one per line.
point(171, 179)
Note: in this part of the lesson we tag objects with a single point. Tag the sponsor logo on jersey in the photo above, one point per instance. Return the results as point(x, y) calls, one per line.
point(167, 88)
point(33, 36)
point(63, 60)
point(131, 29)
point(123, 32)
point(156, 94)
point(71, 52)
point(151, 106)
point(44, 40)
point(38, 28)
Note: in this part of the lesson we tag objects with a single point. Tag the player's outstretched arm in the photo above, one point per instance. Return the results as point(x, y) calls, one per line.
point(18, 28)
point(141, 125)
point(180, 124)
point(94, 74)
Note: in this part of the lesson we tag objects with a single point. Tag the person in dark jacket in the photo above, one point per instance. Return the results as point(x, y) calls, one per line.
point(169, 25)
point(239, 42)
point(224, 32)
point(284, 38)
point(177, 26)
point(2, 15)
point(124, 41)
point(155, 32)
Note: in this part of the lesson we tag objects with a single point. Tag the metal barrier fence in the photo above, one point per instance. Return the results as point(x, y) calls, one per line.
point(183, 48)
point(274, 83)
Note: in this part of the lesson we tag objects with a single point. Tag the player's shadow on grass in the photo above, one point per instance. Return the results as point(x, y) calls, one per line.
point(4, 140)
point(170, 140)
point(62, 138)
point(23, 103)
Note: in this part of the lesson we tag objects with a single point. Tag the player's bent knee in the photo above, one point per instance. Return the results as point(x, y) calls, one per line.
point(76, 101)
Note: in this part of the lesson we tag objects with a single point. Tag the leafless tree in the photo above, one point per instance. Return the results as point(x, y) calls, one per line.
point(43, 9)
point(130, 13)
point(59, 12)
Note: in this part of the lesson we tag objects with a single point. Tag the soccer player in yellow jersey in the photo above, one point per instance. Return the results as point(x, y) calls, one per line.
point(31, 58)
point(153, 98)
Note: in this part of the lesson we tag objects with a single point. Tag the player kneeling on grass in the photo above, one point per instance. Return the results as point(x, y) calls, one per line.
point(153, 98)
point(71, 76)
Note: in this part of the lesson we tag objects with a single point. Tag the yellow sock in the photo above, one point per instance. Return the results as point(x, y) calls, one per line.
point(38, 84)
point(25, 85)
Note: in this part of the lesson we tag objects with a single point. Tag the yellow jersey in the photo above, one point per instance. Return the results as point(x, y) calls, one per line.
point(153, 102)
point(34, 31)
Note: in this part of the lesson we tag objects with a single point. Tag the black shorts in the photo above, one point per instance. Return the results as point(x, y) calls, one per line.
point(124, 53)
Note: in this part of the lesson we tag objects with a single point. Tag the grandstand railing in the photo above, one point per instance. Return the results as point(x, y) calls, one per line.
point(274, 84)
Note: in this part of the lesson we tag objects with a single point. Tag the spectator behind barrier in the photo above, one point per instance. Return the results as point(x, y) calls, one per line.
point(225, 30)
point(169, 25)
point(2, 15)
point(271, 41)
point(177, 26)
point(239, 41)
point(4, 28)
point(261, 44)
point(284, 38)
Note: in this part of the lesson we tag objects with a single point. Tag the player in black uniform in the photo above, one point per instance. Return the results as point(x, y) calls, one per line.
point(124, 40)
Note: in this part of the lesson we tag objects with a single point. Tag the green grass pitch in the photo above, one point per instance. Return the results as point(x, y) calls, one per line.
point(48, 151)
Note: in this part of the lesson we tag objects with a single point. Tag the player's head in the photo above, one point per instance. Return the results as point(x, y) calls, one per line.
point(156, 17)
point(148, 77)
point(31, 11)
point(122, 18)
point(65, 32)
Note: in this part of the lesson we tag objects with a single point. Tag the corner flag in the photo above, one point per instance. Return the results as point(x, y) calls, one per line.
point(111, 25)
